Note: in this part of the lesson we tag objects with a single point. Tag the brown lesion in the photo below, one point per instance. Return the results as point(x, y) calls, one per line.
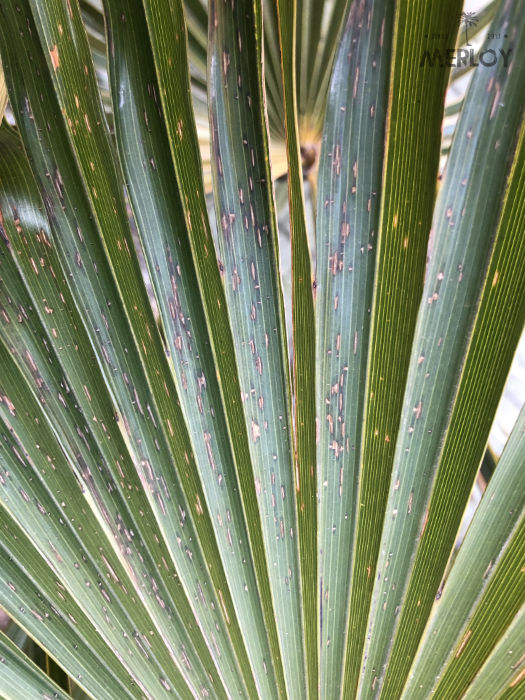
point(55, 60)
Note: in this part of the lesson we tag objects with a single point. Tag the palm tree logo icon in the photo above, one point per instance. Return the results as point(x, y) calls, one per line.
point(468, 19)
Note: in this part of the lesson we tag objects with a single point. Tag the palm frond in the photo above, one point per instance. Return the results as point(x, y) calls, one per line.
point(189, 508)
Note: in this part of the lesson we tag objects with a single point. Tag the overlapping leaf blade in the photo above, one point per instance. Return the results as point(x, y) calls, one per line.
point(50, 362)
point(453, 366)
point(43, 610)
point(165, 21)
point(141, 138)
point(114, 613)
point(501, 603)
point(494, 530)
point(21, 680)
point(318, 25)
point(411, 159)
point(503, 673)
point(147, 433)
point(57, 360)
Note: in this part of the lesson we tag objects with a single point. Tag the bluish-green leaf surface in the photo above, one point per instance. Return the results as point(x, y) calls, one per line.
point(349, 197)
point(248, 260)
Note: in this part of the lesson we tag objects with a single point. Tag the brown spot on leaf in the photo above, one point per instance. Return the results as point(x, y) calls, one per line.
point(54, 57)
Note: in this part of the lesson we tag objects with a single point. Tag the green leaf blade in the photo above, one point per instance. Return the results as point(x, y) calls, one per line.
point(303, 332)
point(249, 265)
point(503, 673)
point(166, 21)
point(181, 515)
point(56, 363)
point(78, 646)
point(3, 94)
point(347, 226)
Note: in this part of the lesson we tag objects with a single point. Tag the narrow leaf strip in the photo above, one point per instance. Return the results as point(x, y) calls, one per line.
point(84, 421)
point(500, 603)
point(318, 29)
point(30, 491)
point(504, 595)
point(272, 74)
point(250, 269)
point(349, 197)
point(3, 93)
point(49, 614)
point(303, 323)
